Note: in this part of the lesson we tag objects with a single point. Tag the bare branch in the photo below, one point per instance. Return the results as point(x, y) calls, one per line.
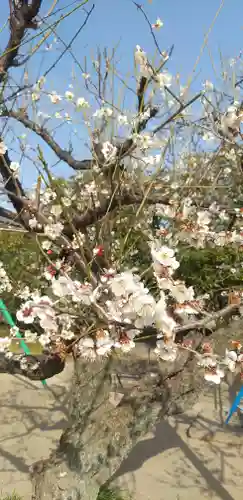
point(21, 19)
point(12, 217)
point(177, 113)
point(139, 7)
point(62, 154)
point(69, 45)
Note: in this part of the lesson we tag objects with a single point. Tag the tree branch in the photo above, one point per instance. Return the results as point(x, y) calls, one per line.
point(202, 323)
point(12, 217)
point(62, 154)
point(21, 19)
point(33, 367)
point(127, 198)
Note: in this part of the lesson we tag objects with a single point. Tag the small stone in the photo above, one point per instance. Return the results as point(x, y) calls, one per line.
point(62, 474)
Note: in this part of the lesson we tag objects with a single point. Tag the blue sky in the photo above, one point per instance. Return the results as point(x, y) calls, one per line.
point(118, 21)
point(185, 25)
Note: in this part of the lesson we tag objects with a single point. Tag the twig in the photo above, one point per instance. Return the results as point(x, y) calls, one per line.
point(69, 45)
point(181, 108)
point(139, 7)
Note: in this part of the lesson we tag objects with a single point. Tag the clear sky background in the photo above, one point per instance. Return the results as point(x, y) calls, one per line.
point(185, 25)
point(118, 21)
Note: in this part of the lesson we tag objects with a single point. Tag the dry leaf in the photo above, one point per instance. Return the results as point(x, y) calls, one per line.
point(115, 398)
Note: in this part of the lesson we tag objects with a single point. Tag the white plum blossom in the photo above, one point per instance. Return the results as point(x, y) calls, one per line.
point(104, 343)
point(142, 61)
point(164, 256)
point(230, 122)
point(41, 309)
point(182, 293)
point(164, 283)
point(67, 334)
point(232, 358)
point(164, 79)
point(158, 24)
point(4, 343)
point(81, 103)
point(119, 299)
point(208, 86)
point(208, 360)
point(203, 218)
point(214, 376)
point(44, 311)
point(30, 336)
point(33, 222)
point(15, 167)
point(152, 160)
point(78, 240)
point(24, 293)
point(143, 305)
point(69, 95)
point(54, 230)
point(46, 244)
point(48, 196)
point(86, 348)
point(122, 120)
point(126, 342)
point(124, 283)
point(140, 56)
point(167, 351)
point(56, 210)
point(143, 141)
point(35, 97)
point(44, 339)
point(40, 83)
point(78, 292)
point(5, 284)
point(103, 113)
point(55, 98)
point(26, 313)
point(82, 292)
point(109, 151)
point(62, 286)
point(165, 323)
point(3, 148)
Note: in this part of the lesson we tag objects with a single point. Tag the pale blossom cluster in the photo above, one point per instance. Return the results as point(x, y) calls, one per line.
point(5, 284)
point(120, 297)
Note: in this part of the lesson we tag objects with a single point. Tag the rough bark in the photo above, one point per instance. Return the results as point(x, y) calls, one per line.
point(100, 435)
point(22, 17)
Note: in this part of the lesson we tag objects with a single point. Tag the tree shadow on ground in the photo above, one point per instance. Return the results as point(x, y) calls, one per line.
point(166, 437)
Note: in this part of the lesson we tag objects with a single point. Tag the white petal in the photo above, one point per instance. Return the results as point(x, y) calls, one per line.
point(232, 355)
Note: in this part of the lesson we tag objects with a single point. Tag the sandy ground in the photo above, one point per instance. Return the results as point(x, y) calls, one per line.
point(167, 465)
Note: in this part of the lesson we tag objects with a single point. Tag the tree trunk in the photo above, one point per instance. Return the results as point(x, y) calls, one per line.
point(100, 433)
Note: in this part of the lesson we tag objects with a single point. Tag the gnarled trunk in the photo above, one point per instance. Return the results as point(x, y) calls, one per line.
point(100, 434)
